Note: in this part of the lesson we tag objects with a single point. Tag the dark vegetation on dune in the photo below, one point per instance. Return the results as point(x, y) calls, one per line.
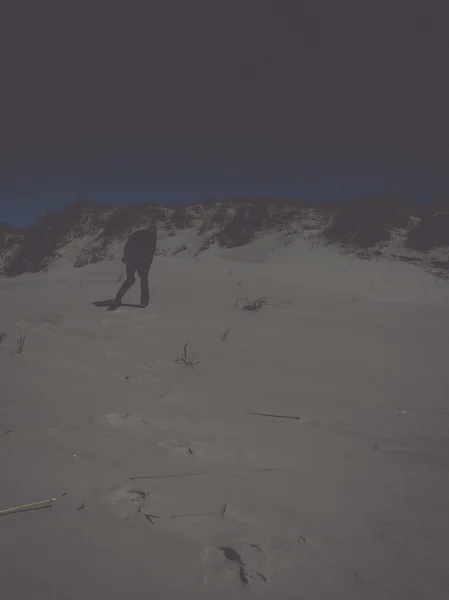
point(180, 218)
point(122, 220)
point(9, 236)
point(250, 219)
point(431, 232)
point(363, 224)
point(357, 225)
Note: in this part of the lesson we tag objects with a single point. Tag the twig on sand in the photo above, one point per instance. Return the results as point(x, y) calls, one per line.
point(273, 416)
point(225, 334)
point(32, 506)
point(279, 304)
point(194, 515)
point(199, 473)
point(171, 476)
point(150, 517)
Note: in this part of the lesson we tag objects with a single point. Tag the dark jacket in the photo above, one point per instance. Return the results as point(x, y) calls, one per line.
point(140, 247)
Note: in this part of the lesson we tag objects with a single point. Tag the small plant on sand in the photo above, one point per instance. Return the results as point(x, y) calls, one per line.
point(187, 360)
point(3, 335)
point(179, 249)
point(252, 305)
point(207, 243)
point(20, 344)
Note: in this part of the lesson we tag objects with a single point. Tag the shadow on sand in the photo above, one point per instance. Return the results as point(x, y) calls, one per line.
point(108, 304)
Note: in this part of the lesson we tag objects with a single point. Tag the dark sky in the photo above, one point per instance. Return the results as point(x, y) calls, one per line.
point(105, 98)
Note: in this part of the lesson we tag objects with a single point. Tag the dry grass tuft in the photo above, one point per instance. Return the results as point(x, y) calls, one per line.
point(187, 360)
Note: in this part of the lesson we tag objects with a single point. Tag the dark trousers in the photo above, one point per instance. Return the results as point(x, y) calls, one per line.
point(142, 270)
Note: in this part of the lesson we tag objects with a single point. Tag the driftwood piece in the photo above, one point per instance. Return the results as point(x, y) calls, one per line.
point(24, 507)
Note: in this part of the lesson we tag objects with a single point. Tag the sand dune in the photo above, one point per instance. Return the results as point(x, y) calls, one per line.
point(167, 483)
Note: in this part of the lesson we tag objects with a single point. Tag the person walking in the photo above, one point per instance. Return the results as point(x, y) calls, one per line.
point(138, 256)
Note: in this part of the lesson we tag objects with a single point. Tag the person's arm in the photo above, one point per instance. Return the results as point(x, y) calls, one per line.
point(153, 244)
point(126, 251)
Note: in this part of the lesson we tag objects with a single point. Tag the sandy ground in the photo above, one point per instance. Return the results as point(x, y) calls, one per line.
point(167, 484)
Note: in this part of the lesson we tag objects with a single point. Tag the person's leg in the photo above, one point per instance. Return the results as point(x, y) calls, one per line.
point(129, 281)
point(143, 271)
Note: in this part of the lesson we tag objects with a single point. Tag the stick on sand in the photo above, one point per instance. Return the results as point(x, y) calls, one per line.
point(31, 506)
point(236, 472)
point(273, 416)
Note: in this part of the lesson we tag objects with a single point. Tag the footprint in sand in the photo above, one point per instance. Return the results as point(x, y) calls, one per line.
point(115, 321)
point(126, 421)
point(125, 502)
point(178, 448)
point(43, 319)
point(208, 450)
point(237, 564)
